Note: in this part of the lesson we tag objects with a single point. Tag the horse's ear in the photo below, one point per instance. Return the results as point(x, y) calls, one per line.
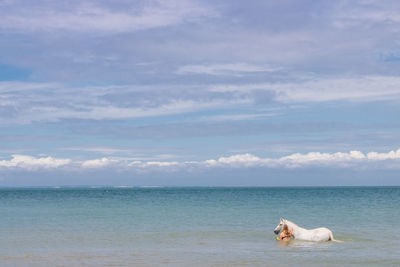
point(281, 219)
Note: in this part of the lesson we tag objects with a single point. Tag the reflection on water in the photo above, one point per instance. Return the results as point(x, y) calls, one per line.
point(285, 243)
point(304, 244)
point(292, 242)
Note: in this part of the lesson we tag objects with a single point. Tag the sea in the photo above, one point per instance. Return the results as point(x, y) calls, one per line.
point(205, 226)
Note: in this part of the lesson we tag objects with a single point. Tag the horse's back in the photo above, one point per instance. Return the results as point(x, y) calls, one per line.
point(321, 230)
point(320, 234)
point(317, 234)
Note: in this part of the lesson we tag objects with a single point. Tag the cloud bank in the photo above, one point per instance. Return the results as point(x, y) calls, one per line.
point(32, 163)
point(352, 159)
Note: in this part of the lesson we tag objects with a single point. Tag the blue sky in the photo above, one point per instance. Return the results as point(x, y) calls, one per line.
point(199, 92)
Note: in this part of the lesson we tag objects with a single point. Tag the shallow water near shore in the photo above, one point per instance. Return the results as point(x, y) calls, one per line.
point(197, 226)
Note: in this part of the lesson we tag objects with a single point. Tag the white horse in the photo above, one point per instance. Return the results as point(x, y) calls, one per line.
point(318, 234)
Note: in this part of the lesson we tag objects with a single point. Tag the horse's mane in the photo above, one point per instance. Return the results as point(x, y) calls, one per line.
point(292, 223)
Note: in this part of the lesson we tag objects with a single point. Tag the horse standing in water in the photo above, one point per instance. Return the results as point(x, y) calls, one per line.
point(318, 234)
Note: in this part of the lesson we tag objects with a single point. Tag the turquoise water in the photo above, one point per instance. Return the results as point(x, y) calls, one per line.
point(197, 226)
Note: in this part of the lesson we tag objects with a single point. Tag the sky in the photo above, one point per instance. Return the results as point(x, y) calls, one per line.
point(199, 93)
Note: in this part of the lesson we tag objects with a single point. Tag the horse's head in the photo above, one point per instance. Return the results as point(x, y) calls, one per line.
point(279, 226)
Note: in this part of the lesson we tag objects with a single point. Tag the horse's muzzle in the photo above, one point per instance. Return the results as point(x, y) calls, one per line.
point(276, 232)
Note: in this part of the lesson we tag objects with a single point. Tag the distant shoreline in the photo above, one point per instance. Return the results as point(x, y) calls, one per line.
point(188, 187)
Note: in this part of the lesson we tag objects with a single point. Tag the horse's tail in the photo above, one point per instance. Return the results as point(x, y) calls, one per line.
point(333, 239)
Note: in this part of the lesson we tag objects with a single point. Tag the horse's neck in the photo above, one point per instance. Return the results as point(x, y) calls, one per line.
point(295, 228)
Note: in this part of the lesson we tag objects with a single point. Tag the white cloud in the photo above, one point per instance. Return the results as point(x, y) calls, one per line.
point(93, 17)
point(96, 163)
point(14, 86)
point(235, 161)
point(101, 112)
point(33, 102)
point(352, 159)
point(161, 163)
point(103, 150)
point(365, 13)
point(238, 117)
point(231, 69)
point(323, 89)
point(297, 160)
point(317, 158)
point(384, 156)
point(126, 163)
point(32, 163)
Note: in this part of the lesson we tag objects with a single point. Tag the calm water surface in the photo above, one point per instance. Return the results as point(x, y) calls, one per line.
point(197, 226)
